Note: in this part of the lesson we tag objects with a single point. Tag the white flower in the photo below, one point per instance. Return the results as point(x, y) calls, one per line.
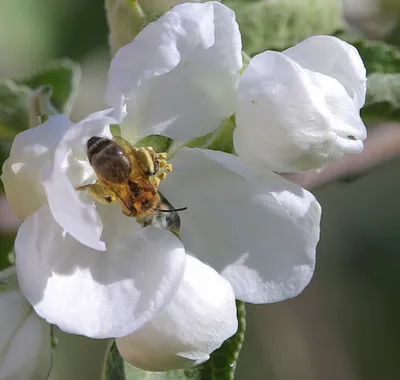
point(77, 273)
point(25, 343)
point(91, 270)
point(295, 110)
point(299, 109)
point(88, 268)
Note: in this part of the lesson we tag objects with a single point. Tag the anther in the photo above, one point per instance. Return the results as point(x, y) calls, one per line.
point(156, 181)
point(168, 167)
point(162, 176)
point(162, 156)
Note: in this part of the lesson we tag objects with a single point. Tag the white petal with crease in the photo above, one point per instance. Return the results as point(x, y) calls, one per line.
point(179, 75)
point(22, 171)
point(259, 231)
point(98, 294)
point(70, 168)
point(200, 318)
point(331, 56)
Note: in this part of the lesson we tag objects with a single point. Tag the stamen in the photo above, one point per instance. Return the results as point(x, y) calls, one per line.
point(162, 176)
point(156, 181)
point(162, 156)
point(168, 167)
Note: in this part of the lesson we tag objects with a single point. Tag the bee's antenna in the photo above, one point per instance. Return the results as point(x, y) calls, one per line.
point(173, 209)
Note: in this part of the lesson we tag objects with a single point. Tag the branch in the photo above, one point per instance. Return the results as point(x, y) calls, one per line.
point(382, 145)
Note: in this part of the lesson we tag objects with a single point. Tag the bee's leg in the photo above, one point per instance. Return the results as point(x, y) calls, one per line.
point(100, 193)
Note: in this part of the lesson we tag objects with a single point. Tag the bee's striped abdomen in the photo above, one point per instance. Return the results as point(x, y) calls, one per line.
point(108, 159)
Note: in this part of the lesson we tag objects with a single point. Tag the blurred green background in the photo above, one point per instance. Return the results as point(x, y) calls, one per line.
point(346, 324)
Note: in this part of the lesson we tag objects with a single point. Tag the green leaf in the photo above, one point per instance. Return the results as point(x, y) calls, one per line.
point(158, 142)
point(114, 369)
point(383, 87)
point(14, 101)
point(6, 250)
point(379, 56)
point(132, 373)
point(220, 366)
point(222, 363)
point(278, 24)
point(63, 76)
point(383, 98)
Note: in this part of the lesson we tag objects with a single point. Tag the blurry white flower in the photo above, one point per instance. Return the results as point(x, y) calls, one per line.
point(299, 109)
point(25, 342)
point(369, 17)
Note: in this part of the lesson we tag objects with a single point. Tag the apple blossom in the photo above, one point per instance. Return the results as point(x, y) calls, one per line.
point(75, 264)
point(25, 342)
point(91, 270)
point(88, 268)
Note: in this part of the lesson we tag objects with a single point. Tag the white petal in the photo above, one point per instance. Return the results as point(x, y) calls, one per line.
point(200, 318)
point(92, 293)
point(25, 351)
point(289, 119)
point(21, 173)
point(336, 58)
point(259, 231)
point(179, 75)
point(69, 168)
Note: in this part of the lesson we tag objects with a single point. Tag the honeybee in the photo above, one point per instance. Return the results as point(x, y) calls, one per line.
point(131, 177)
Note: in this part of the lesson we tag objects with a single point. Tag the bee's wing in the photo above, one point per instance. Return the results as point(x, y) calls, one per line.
point(124, 194)
point(138, 175)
